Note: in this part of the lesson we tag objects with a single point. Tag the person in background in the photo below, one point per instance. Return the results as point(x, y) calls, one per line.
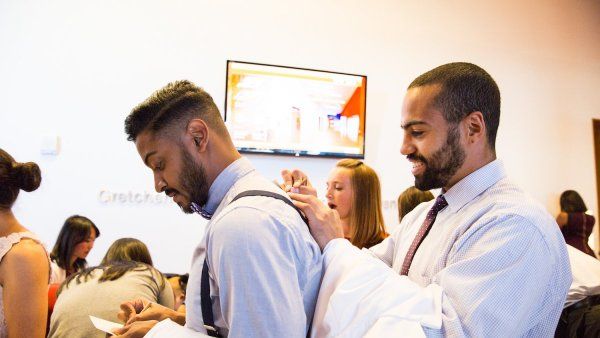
point(353, 189)
point(581, 316)
point(126, 272)
point(574, 223)
point(74, 242)
point(179, 286)
point(409, 199)
point(24, 264)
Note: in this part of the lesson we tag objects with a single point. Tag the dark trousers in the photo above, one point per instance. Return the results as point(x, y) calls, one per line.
point(581, 319)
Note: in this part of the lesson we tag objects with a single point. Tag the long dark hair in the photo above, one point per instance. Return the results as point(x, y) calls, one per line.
point(75, 230)
point(124, 255)
point(571, 201)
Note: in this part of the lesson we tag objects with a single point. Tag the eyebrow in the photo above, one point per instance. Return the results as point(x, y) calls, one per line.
point(147, 156)
point(411, 123)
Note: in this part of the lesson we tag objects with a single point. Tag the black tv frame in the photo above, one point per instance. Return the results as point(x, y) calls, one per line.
point(289, 152)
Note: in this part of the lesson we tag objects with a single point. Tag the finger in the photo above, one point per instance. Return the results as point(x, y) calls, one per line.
point(305, 190)
point(308, 199)
point(120, 330)
point(133, 319)
point(127, 310)
point(288, 180)
point(279, 185)
point(299, 178)
point(304, 207)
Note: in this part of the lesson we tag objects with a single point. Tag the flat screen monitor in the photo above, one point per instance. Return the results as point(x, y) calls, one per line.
point(295, 111)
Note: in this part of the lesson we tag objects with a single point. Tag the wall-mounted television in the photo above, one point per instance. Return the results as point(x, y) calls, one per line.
point(295, 111)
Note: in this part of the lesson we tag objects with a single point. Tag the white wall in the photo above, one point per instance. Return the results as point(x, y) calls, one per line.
point(74, 69)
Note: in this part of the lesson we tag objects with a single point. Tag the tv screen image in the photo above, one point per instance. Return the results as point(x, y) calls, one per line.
point(295, 111)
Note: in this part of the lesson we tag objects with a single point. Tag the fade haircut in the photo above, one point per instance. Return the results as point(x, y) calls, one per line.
point(465, 88)
point(171, 108)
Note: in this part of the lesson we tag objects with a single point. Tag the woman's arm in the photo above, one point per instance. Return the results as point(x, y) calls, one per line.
point(24, 272)
point(562, 219)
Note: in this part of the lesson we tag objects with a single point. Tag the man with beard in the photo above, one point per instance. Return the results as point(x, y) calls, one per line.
point(482, 260)
point(257, 271)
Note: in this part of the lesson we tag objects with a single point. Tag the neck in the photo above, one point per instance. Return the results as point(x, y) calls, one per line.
point(346, 227)
point(220, 156)
point(8, 222)
point(72, 261)
point(471, 165)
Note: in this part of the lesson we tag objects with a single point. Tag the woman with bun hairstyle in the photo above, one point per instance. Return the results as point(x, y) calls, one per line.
point(74, 243)
point(24, 265)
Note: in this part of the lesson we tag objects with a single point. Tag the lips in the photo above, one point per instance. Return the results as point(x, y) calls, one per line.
point(331, 205)
point(418, 167)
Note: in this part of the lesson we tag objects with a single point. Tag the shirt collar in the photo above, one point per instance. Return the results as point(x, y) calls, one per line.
point(474, 184)
point(221, 185)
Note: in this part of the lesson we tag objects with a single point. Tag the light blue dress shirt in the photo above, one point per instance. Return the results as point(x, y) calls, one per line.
point(497, 254)
point(264, 266)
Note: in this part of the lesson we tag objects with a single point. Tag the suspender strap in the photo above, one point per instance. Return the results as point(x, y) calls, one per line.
point(207, 314)
point(272, 195)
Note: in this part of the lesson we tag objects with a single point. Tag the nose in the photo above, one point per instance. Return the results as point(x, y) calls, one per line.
point(329, 193)
point(159, 183)
point(407, 146)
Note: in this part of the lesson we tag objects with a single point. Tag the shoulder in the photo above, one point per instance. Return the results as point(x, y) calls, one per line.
point(25, 257)
point(505, 208)
point(247, 222)
point(562, 218)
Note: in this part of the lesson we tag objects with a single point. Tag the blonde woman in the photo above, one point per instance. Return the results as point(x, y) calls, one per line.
point(353, 189)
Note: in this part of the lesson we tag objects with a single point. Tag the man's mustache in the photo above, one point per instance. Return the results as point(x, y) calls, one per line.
point(416, 157)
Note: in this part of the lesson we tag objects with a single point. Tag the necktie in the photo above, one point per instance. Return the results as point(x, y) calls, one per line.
point(440, 203)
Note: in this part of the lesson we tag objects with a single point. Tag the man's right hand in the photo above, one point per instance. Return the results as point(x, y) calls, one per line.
point(296, 182)
point(143, 310)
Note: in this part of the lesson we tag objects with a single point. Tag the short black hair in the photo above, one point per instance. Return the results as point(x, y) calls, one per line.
point(465, 88)
point(174, 105)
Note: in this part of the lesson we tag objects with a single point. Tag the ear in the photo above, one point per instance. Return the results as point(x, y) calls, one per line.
point(475, 127)
point(197, 132)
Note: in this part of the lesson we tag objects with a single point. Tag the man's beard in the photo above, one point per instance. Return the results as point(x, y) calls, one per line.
point(193, 182)
point(443, 164)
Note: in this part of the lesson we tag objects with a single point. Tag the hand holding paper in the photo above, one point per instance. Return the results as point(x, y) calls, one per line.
point(105, 325)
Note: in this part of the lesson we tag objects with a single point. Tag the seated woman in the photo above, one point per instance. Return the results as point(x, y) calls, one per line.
point(125, 273)
point(74, 243)
point(574, 223)
point(409, 199)
point(24, 265)
point(179, 286)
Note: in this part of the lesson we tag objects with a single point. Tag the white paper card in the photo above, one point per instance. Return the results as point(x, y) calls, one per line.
point(105, 325)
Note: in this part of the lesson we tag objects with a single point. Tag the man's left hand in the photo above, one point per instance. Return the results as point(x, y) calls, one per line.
point(135, 329)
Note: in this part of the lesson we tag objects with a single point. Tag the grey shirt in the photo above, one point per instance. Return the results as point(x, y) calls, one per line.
point(76, 302)
point(264, 266)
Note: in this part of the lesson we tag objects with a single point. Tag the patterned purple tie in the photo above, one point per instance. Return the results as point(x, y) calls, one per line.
point(440, 203)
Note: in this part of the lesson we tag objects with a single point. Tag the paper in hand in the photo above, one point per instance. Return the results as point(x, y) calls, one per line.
point(105, 325)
